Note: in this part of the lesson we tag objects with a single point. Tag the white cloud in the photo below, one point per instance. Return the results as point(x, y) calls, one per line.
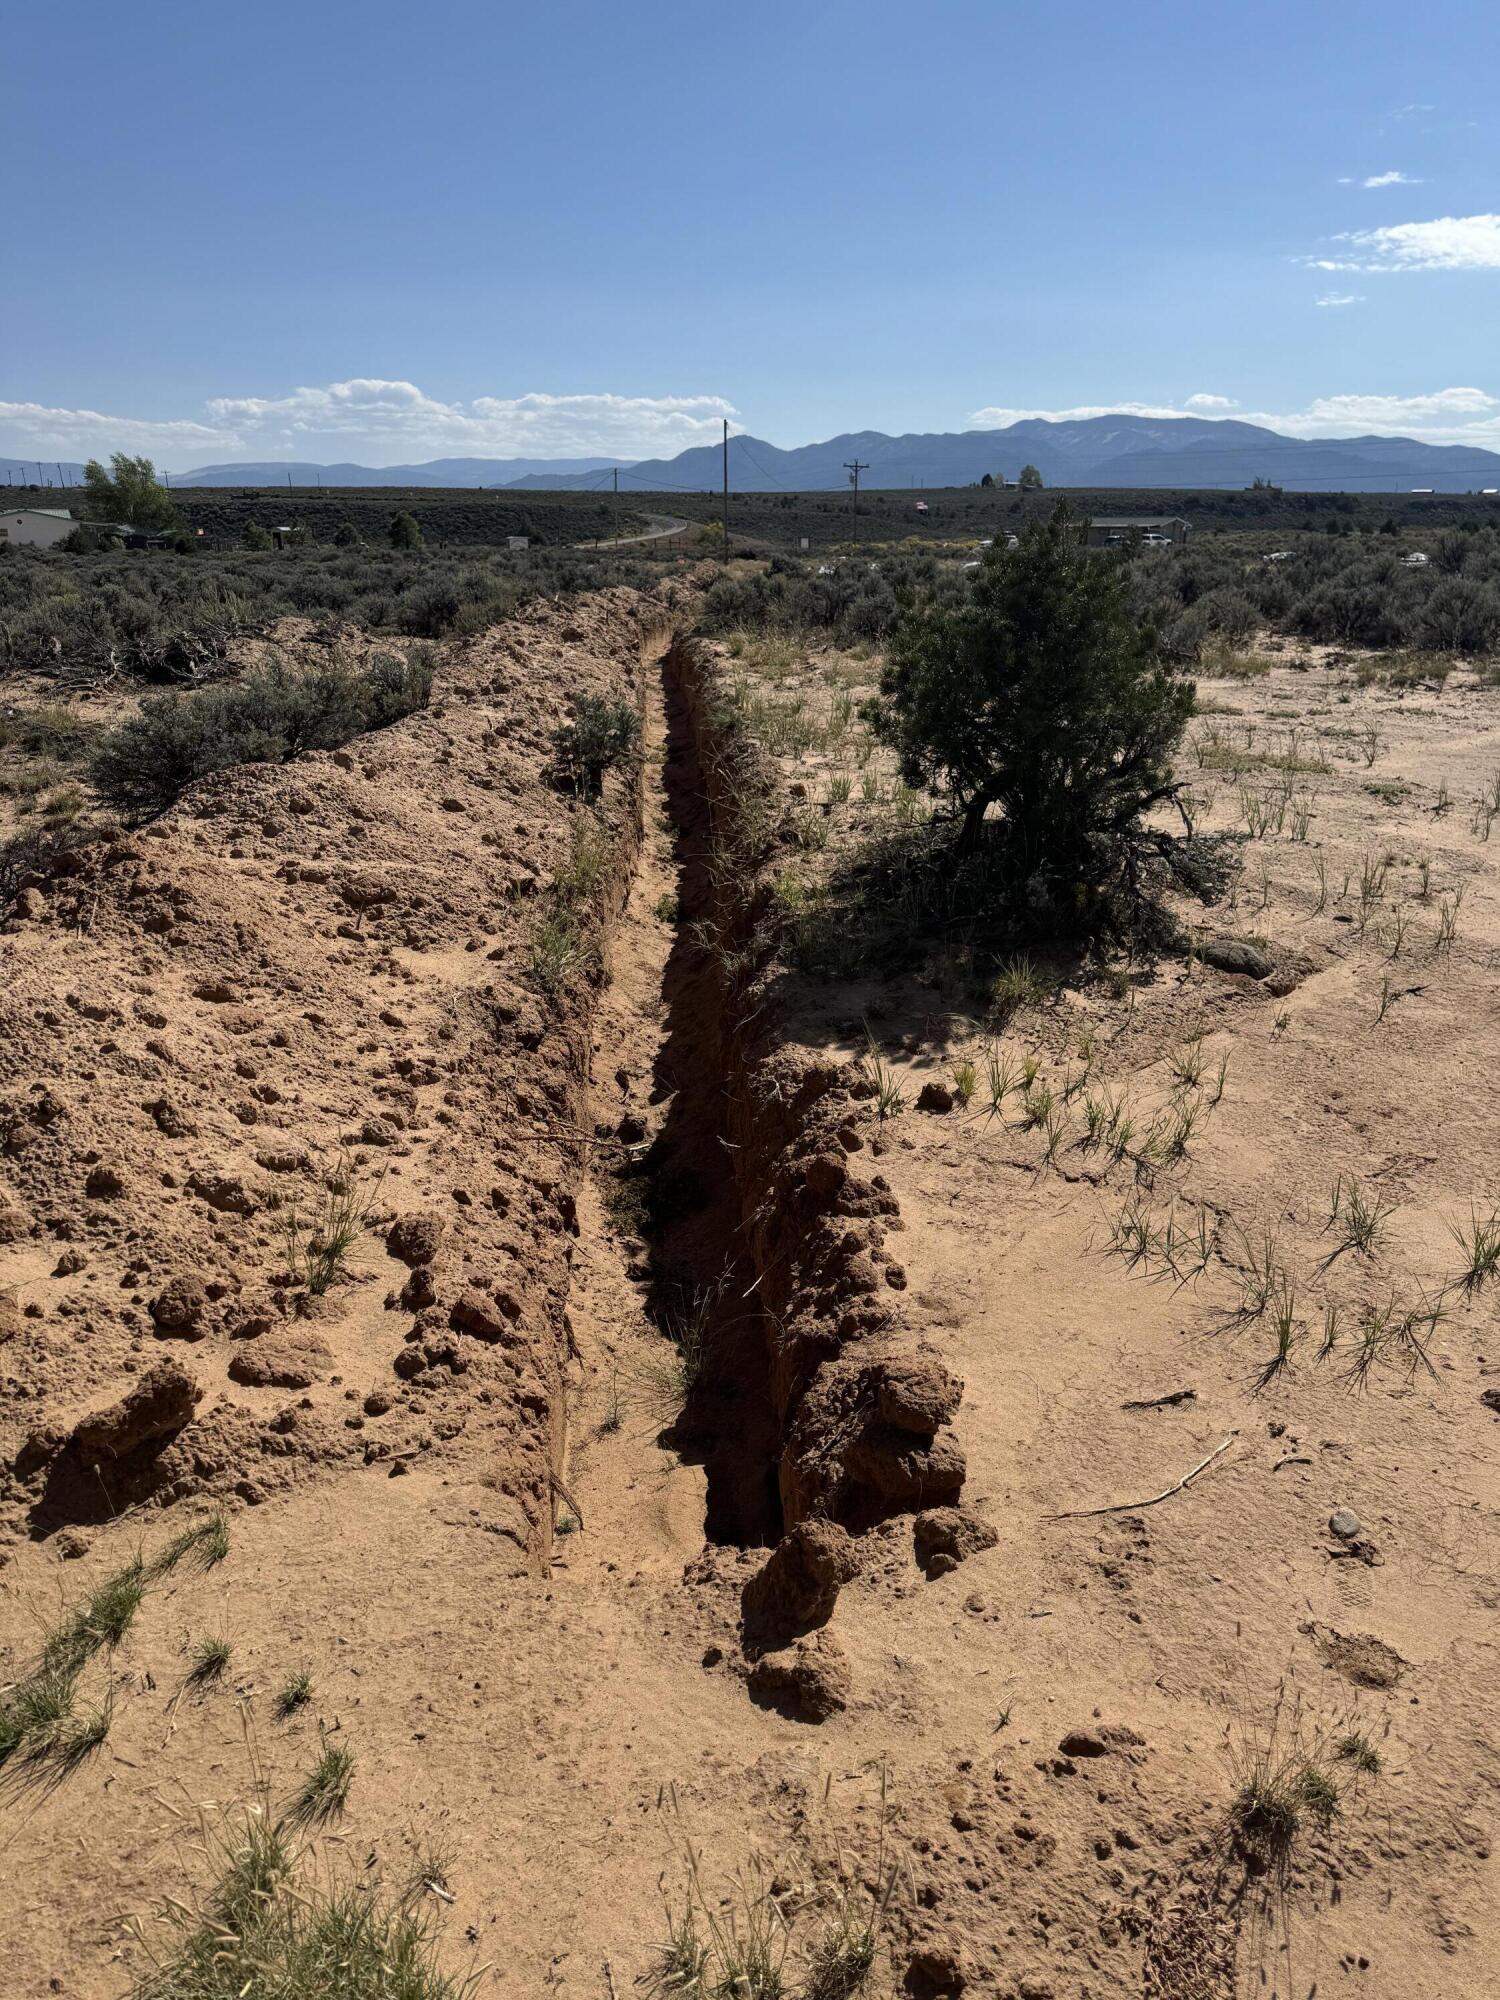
point(1339, 299)
point(69, 431)
point(1450, 243)
point(1393, 179)
point(1206, 402)
point(387, 422)
point(1439, 416)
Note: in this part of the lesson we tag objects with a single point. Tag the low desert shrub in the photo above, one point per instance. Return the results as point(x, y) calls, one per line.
point(602, 734)
point(269, 716)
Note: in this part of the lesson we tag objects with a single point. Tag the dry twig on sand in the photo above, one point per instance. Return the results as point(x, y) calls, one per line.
point(1132, 1506)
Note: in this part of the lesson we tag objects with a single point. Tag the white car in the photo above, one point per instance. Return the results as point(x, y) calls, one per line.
point(1416, 560)
point(1156, 541)
point(1279, 555)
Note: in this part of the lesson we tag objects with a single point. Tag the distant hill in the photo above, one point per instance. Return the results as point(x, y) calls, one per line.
point(1116, 451)
point(1113, 451)
point(435, 472)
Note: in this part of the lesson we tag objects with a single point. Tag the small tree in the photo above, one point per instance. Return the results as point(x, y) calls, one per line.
point(258, 537)
point(602, 734)
point(1041, 695)
point(346, 536)
point(405, 532)
point(129, 493)
point(1030, 480)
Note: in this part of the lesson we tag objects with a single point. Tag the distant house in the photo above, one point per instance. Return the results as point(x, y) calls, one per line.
point(1112, 532)
point(36, 527)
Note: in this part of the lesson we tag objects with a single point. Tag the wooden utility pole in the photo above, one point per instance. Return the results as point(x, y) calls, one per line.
point(854, 468)
point(614, 513)
point(726, 489)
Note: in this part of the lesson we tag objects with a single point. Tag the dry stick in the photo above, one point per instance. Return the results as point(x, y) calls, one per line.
point(1132, 1506)
point(1163, 1402)
point(609, 1980)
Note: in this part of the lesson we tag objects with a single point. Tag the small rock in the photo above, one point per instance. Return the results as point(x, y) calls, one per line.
point(808, 1681)
point(414, 1238)
point(799, 1584)
point(1344, 1523)
point(105, 1183)
point(158, 1406)
point(935, 1097)
point(1236, 955)
point(946, 1536)
point(291, 1359)
point(171, 1121)
point(177, 1310)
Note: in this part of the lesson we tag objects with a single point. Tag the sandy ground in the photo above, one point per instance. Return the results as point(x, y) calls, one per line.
point(558, 1723)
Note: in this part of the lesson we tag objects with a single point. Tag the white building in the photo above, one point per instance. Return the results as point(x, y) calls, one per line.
point(36, 527)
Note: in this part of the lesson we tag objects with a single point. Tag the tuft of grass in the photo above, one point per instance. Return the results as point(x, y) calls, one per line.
point(1282, 1312)
point(1000, 1078)
point(763, 1939)
point(965, 1081)
point(1281, 1790)
point(317, 1247)
point(209, 1662)
point(1480, 1245)
point(205, 1546)
point(1357, 1218)
point(295, 1692)
point(264, 1932)
point(1358, 1750)
point(890, 1101)
point(325, 1790)
point(103, 1620)
point(1017, 984)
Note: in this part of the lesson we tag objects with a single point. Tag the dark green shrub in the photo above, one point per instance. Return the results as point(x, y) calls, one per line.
point(601, 734)
point(405, 533)
point(1041, 694)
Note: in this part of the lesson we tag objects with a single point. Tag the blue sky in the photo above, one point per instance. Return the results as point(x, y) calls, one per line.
point(392, 233)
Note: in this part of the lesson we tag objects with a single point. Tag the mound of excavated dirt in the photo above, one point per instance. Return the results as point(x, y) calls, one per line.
point(300, 971)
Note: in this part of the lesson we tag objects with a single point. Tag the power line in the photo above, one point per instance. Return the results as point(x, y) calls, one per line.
point(854, 468)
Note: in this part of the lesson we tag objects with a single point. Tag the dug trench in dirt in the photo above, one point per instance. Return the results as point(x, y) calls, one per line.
point(815, 1414)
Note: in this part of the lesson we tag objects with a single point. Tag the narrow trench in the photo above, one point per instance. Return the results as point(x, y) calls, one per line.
point(669, 1206)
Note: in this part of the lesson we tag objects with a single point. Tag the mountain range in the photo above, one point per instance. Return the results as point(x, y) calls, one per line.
point(1109, 451)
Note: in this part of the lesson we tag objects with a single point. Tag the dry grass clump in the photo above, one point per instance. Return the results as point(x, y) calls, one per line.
point(756, 1941)
point(267, 1930)
point(1284, 1791)
point(317, 1246)
point(325, 1790)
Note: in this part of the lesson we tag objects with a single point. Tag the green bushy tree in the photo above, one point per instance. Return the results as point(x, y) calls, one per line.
point(129, 493)
point(1030, 480)
point(1043, 695)
point(405, 532)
